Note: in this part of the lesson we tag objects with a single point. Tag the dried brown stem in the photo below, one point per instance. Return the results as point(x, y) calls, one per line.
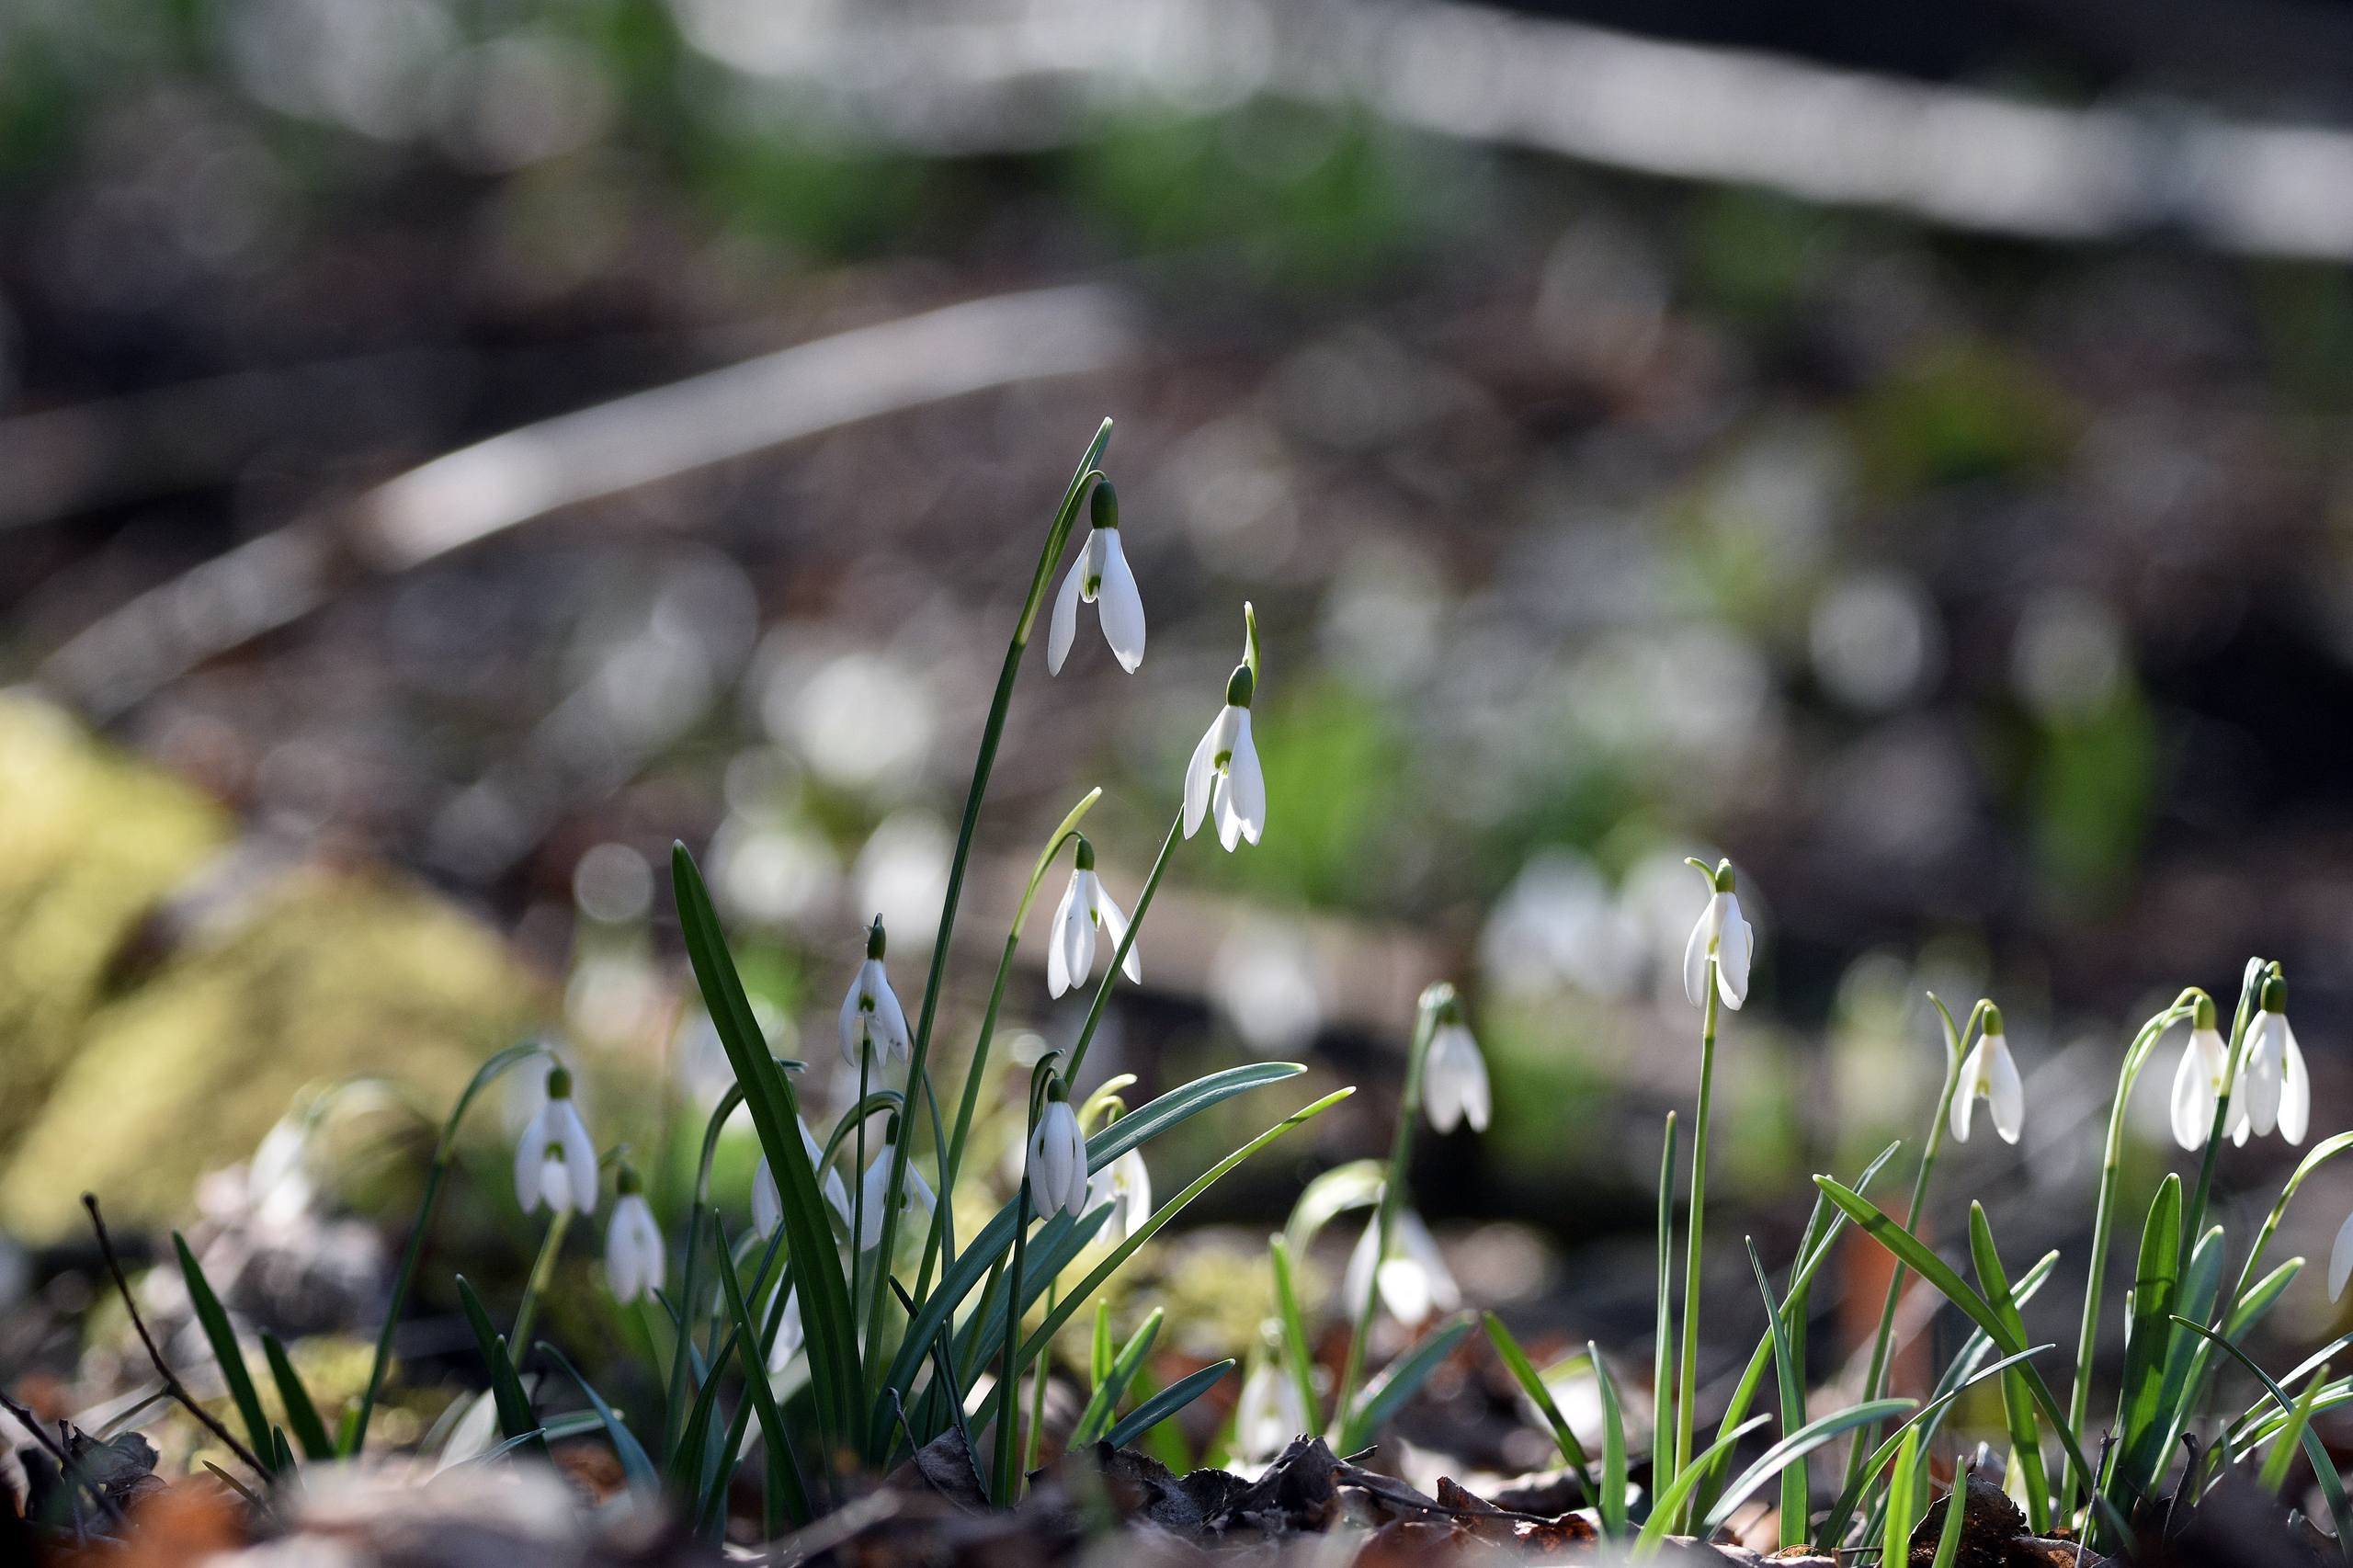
point(172, 1384)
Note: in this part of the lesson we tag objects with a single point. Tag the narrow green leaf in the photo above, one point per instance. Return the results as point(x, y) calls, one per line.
point(1613, 1448)
point(827, 1313)
point(2156, 1282)
point(1343, 1189)
point(514, 1406)
point(1797, 1498)
point(2259, 1300)
point(1113, 1387)
point(1098, 1363)
point(1795, 1447)
point(1955, 1517)
point(1298, 1357)
point(1670, 1499)
point(752, 1346)
point(2274, 1474)
point(1525, 1374)
point(1902, 1509)
point(694, 1450)
point(1925, 1419)
point(2332, 1486)
point(1663, 1368)
point(635, 1465)
point(223, 1337)
point(1398, 1382)
point(1167, 1402)
point(2018, 1405)
point(300, 1414)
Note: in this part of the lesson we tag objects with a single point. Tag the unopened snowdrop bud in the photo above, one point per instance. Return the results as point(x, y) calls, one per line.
point(1268, 1417)
point(1126, 1185)
point(1988, 1071)
point(1414, 1279)
point(871, 1016)
point(555, 1163)
point(1224, 779)
point(1100, 577)
point(768, 1202)
point(874, 1189)
point(1070, 949)
point(1454, 1075)
point(2275, 1089)
point(2197, 1082)
point(1057, 1160)
point(635, 1260)
point(1722, 936)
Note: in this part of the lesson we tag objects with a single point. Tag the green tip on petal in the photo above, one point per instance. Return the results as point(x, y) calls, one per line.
point(559, 1083)
point(1724, 878)
point(1085, 858)
point(1250, 638)
point(2203, 1017)
point(1103, 507)
point(2275, 994)
point(1240, 685)
point(1442, 1000)
point(875, 940)
point(1993, 1018)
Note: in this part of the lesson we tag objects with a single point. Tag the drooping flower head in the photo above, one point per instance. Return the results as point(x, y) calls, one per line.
point(768, 1202)
point(1126, 1185)
point(2273, 1090)
point(1224, 778)
point(1988, 1071)
point(1057, 1163)
point(636, 1261)
point(2197, 1082)
point(1720, 934)
point(1100, 577)
point(1269, 1415)
point(871, 1016)
point(1413, 1280)
point(1454, 1075)
point(874, 1188)
point(1070, 949)
point(555, 1163)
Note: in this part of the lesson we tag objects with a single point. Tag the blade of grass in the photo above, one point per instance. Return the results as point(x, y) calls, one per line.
point(1398, 1383)
point(1612, 1502)
point(2274, 1474)
point(2332, 1486)
point(300, 1414)
point(1672, 1497)
point(2018, 1405)
point(1524, 1373)
point(1925, 1419)
point(1796, 1497)
point(1794, 1448)
point(752, 1346)
point(1956, 1519)
point(1903, 1510)
point(1663, 1367)
point(514, 1406)
point(1116, 1379)
point(222, 1337)
point(636, 1466)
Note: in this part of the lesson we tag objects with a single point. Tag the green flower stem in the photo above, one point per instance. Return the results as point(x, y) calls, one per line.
point(936, 1245)
point(991, 733)
point(858, 1193)
point(1663, 1334)
point(1875, 1379)
point(1392, 1193)
point(444, 1155)
point(1111, 971)
point(1687, 1388)
point(1038, 1399)
point(2136, 1057)
point(1009, 1399)
point(542, 1270)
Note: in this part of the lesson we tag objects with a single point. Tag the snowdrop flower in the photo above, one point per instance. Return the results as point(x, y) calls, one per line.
point(871, 1016)
point(788, 1332)
point(1720, 934)
point(1268, 1417)
point(554, 1162)
point(1070, 949)
point(635, 1260)
point(1224, 778)
point(1101, 569)
point(2273, 1090)
point(1988, 1070)
point(768, 1202)
point(1057, 1168)
point(1413, 1279)
point(2197, 1082)
point(915, 1194)
point(1126, 1186)
point(1454, 1075)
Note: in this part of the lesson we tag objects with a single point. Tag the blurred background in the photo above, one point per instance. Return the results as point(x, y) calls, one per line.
point(449, 448)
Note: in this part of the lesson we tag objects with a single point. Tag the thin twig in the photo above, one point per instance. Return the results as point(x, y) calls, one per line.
point(172, 1383)
point(58, 1451)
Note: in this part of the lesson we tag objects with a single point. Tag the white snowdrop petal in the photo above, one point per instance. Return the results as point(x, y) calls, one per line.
point(767, 1203)
point(2005, 1094)
point(1064, 627)
point(1199, 774)
point(853, 1022)
point(1118, 604)
point(555, 1182)
point(1964, 1096)
point(530, 1152)
point(1081, 963)
point(889, 1019)
point(1695, 955)
point(2295, 1086)
point(1733, 951)
point(2340, 1259)
point(1249, 780)
point(1058, 945)
point(579, 1154)
point(2263, 1076)
point(1115, 931)
point(2193, 1098)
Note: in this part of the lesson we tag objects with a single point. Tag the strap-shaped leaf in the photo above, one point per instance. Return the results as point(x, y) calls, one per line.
point(2332, 1486)
point(1398, 1382)
point(2018, 1405)
point(635, 1464)
point(1524, 1373)
point(1116, 1376)
point(300, 1414)
point(1925, 1419)
point(514, 1406)
point(1795, 1447)
point(1796, 1491)
point(827, 1313)
point(1917, 1256)
point(1670, 1503)
point(222, 1335)
point(2156, 1287)
point(753, 1342)
point(1167, 1402)
point(988, 1248)
point(1612, 1505)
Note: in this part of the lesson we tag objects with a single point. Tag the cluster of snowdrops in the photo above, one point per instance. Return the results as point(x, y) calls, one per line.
point(858, 1326)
